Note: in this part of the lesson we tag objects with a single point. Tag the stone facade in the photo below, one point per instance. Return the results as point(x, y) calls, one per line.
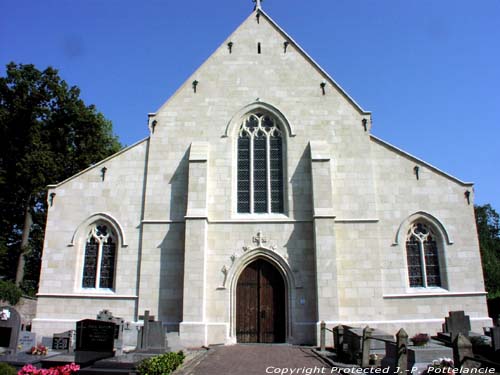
point(340, 244)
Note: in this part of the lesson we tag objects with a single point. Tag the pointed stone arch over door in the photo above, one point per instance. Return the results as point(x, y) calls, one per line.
point(260, 304)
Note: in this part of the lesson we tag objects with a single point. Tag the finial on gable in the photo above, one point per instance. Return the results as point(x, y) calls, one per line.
point(257, 4)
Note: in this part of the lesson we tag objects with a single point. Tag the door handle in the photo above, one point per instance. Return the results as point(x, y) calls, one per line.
point(263, 314)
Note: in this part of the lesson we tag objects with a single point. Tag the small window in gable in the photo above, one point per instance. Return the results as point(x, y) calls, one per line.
point(423, 253)
point(260, 165)
point(100, 257)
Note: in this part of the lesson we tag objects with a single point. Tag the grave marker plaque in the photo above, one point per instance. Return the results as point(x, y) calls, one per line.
point(95, 336)
point(60, 343)
point(26, 341)
point(63, 341)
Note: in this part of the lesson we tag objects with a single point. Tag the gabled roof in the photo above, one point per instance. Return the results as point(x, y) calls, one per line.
point(286, 36)
point(312, 61)
point(419, 161)
point(99, 163)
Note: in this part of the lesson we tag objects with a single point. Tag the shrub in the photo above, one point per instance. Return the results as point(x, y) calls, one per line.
point(10, 292)
point(161, 365)
point(5, 369)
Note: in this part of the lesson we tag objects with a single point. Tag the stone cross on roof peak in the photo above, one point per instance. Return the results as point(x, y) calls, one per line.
point(257, 4)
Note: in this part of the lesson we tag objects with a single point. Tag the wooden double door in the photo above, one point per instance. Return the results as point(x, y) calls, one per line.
point(260, 304)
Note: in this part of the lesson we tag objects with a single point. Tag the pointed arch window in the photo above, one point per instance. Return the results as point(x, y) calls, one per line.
point(422, 254)
point(100, 257)
point(260, 165)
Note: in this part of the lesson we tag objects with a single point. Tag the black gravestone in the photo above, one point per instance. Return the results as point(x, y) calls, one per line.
point(63, 341)
point(95, 336)
point(60, 343)
point(94, 341)
point(10, 325)
point(495, 338)
point(107, 316)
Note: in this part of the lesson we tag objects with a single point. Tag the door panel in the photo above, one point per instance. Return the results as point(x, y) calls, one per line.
point(247, 307)
point(260, 304)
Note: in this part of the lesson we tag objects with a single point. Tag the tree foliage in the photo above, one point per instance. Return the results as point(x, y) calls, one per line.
point(47, 134)
point(9, 292)
point(488, 229)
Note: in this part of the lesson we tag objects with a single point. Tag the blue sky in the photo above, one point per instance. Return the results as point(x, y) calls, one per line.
point(428, 70)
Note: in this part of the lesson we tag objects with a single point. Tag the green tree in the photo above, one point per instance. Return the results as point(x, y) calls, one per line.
point(488, 229)
point(47, 134)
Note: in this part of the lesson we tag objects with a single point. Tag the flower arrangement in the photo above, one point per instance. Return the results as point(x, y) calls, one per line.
point(39, 350)
point(59, 370)
point(420, 339)
point(442, 366)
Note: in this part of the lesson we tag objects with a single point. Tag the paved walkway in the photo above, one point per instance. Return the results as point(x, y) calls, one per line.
point(257, 359)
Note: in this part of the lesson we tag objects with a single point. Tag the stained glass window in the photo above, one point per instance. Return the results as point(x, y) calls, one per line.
point(422, 254)
point(244, 173)
point(90, 265)
point(260, 165)
point(100, 257)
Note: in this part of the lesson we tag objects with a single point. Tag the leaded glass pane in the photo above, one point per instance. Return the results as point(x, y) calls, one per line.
point(267, 123)
point(414, 262)
point(276, 164)
point(108, 264)
point(90, 263)
point(252, 123)
point(256, 173)
point(244, 175)
point(259, 174)
point(432, 263)
point(101, 231)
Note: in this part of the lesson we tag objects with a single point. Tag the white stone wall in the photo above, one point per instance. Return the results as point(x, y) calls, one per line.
point(77, 203)
point(346, 197)
point(227, 84)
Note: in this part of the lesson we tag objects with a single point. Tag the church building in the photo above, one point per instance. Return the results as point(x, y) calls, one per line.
point(260, 205)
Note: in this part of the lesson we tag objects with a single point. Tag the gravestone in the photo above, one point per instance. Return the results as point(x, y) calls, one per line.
point(151, 337)
point(46, 341)
point(495, 338)
point(10, 325)
point(94, 341)
point(353, 342)
point(95, 336)
point(457, 322)
point(26, 341)
point(107, 316)
point(63, 342)
point(418, 357)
